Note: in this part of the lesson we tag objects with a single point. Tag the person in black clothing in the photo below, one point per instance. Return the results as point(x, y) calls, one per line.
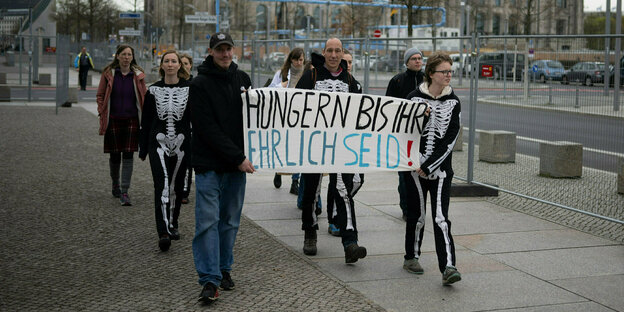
point(400, 86)
point(165, 136)
point(330, 74)
point(220, 164)
point(187, 63)
point(83, 63)
point(435, 172)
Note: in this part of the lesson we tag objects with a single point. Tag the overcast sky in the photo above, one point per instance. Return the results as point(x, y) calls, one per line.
point(590, 5)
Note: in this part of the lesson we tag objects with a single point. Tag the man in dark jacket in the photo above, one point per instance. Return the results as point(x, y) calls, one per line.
point(219, 162)
point(330, 74)
point(400, 86)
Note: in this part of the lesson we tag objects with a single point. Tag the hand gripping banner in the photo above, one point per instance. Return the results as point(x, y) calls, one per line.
point(307, 131)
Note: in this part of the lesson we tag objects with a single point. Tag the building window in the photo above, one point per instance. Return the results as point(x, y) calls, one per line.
point(562, 4)
point(561, 27)
point(480, 24)
point(317, 17)
point(261, 17)
point(496, 25)
point(497, 3)
point(300, 19)
point(335, 18)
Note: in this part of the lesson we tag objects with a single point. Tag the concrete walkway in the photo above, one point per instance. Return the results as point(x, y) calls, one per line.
point(69, 246)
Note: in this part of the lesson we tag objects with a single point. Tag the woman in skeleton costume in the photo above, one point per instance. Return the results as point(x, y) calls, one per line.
point(435, 172)
point(165, 136)
point(119, 98)
point(187, 63)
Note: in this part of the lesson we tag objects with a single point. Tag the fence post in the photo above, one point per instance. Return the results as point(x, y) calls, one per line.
point(576, 98)
point(366, 64)
point(474, 84)
point(550, 91)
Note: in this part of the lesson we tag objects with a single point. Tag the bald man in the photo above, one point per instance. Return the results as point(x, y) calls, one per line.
point(330, 74)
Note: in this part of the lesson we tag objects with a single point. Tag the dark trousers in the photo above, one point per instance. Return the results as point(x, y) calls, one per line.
point(416, 197)
point(168, 190)
point(82, 76)
point(343, 188)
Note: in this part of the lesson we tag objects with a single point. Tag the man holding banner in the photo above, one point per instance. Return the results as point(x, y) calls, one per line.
point(330, 74)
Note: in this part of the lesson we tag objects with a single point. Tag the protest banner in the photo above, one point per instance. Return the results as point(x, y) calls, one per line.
point(308, 131)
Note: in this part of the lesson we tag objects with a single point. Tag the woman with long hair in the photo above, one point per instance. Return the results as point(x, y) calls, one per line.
point(120, 98)
point(165, 136)
point(287, 77)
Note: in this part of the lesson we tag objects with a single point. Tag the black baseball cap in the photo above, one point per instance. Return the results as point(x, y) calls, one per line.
point(220, 38)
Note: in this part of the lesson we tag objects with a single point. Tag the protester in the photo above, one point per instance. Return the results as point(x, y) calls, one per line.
point(120, 98)
point(400, 86)
point(220, 164)
point(187, 63)
point(83, 63)
point(331, 212)
point(165, 135)
point(287, 77)
point(435, 172)
point(330, 74)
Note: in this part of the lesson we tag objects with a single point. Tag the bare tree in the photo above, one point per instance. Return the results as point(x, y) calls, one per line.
point(413, 13)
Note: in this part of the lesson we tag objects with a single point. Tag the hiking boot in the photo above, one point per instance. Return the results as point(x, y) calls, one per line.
point(309, 242)
point(164, 242)
point(226, 281)
point(209, 293)
point(333, 230)
point(354, 252)
point(413, 266)
point(124, 199)
point(175, 234)
point(116, 191)
point(309, 246)
point(277, 180)
point(294, 187)
point(450, 276)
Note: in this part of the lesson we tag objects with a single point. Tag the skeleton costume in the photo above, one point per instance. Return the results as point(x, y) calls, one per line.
point(165, 136)
point(343, 186)
point(436, 146)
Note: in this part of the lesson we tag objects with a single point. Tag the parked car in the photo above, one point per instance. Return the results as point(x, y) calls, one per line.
point(359, 62)
point(544, 70)
point(587, 73)
point(276, 59)
point(497, 61)
point(389, 64)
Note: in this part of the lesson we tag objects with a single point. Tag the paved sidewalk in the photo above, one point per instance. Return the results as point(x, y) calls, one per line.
point(69, 246)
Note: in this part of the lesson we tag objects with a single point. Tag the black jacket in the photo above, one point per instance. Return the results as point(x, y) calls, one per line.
point(403, 83)
point(151, 124)
point(217, 117)
point(440, 131)
point(319, 78)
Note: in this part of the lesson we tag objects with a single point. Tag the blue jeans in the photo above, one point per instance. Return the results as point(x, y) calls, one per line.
point(218, 206)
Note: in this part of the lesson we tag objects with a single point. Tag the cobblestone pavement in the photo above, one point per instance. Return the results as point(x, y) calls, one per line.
point(595, 191)
point(69, 246)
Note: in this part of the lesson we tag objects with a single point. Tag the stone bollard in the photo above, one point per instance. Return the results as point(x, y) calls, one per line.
point(45, 79)
point(459, 143)
point(620, 175)
point(3, 78)
point(497, 146)
point(5, 94)
point(561, 159)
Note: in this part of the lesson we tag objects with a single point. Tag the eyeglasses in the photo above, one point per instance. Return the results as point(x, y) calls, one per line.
point(444, 72)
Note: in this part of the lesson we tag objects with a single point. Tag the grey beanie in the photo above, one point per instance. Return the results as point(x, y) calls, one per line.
point(409, 54)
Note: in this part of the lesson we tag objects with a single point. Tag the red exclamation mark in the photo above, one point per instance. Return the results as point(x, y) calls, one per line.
point(409, 151)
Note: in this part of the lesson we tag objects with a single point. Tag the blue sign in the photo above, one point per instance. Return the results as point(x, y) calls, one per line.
point(535, 68)
point(129, 15)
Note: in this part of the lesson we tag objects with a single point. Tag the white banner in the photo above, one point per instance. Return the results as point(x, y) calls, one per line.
point(307, 131)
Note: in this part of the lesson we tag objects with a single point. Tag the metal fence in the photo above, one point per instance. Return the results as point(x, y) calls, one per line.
point(542, 89)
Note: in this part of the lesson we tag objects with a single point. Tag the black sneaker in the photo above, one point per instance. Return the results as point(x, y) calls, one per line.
point(354, 252)
point(226, 281)
point(124, 199)
point(116, 191)
point(277, 180)
point(175, 234)
point(294, 187)
point(164, 242)
point(209, 293)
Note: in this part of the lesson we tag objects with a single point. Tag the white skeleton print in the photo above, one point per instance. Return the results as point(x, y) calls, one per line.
point(439, 120)
point(170, 107)
point(331, 86)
